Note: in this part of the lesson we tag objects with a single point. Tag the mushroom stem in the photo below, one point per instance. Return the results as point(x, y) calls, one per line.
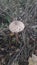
point(16, 35)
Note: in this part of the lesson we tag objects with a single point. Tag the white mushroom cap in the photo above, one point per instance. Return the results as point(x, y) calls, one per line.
point(16, 26)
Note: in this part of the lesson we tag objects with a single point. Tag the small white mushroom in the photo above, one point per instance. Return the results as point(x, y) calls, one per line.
point(16, 26)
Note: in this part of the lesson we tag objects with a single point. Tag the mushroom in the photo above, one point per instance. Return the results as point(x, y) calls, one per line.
point(16, 27)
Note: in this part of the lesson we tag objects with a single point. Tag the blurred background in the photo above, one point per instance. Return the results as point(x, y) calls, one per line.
point(25, 11)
